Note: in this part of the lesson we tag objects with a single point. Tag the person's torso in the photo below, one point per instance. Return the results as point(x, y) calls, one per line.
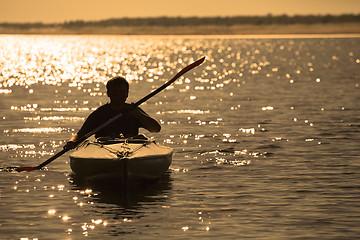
point(126, 125)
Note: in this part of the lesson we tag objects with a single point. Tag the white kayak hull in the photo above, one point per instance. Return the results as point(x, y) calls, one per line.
point(143, 159)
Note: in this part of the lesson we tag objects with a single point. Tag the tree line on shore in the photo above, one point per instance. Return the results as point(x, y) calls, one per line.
point(194, 21)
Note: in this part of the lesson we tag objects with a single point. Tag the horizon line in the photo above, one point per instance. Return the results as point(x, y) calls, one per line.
point(185, 17)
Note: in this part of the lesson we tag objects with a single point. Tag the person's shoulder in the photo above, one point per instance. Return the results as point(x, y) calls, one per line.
point(132, 105)
point(101, 109)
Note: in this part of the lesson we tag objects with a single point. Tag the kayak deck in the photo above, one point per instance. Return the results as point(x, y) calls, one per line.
point(130, 159)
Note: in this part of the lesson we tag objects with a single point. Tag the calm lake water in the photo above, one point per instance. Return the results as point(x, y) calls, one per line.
point(266, 137)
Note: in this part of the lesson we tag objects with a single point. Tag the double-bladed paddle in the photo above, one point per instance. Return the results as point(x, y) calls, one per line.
point(81, 139)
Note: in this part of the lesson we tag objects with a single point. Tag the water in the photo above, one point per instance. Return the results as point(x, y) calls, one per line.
point(265, 134)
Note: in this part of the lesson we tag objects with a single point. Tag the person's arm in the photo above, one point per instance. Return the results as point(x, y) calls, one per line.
point(147, 122)
point(86, 127)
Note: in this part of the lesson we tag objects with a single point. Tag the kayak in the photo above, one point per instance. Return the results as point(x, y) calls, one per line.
point(130, 158)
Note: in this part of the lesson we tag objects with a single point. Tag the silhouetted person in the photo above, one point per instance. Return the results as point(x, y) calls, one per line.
point(126, 126)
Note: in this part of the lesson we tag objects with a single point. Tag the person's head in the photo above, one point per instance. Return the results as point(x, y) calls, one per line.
point(117, 89)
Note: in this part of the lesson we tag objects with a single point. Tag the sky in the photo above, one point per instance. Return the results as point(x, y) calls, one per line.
point(58, 11)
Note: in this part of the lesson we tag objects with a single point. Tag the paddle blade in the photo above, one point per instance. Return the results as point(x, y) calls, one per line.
point(25, 169)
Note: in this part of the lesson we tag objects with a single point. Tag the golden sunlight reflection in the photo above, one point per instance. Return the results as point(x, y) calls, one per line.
point(185, 228)
point(185, 111)
point(235, 158)
point(247, 130)
point(37, 130)
point(51, 211)
point(65, 218)
point(54, 118)
point(75, 72)
point(16, 147)
point(66, 109)
point(5, 91)
point(235, 113)
point(267, 108)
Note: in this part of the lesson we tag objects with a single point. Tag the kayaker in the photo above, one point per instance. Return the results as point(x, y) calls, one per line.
point(126, 126)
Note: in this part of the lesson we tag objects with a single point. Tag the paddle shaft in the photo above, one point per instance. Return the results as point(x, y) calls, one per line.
point(183, 71)
point(81, 139)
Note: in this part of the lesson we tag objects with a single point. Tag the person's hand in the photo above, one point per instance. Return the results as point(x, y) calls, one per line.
point(69, 145)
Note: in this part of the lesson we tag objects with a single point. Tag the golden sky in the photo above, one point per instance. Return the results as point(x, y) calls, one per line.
point(54, 11)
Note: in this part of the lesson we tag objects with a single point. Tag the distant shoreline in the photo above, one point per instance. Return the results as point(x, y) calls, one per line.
point(238, 29)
